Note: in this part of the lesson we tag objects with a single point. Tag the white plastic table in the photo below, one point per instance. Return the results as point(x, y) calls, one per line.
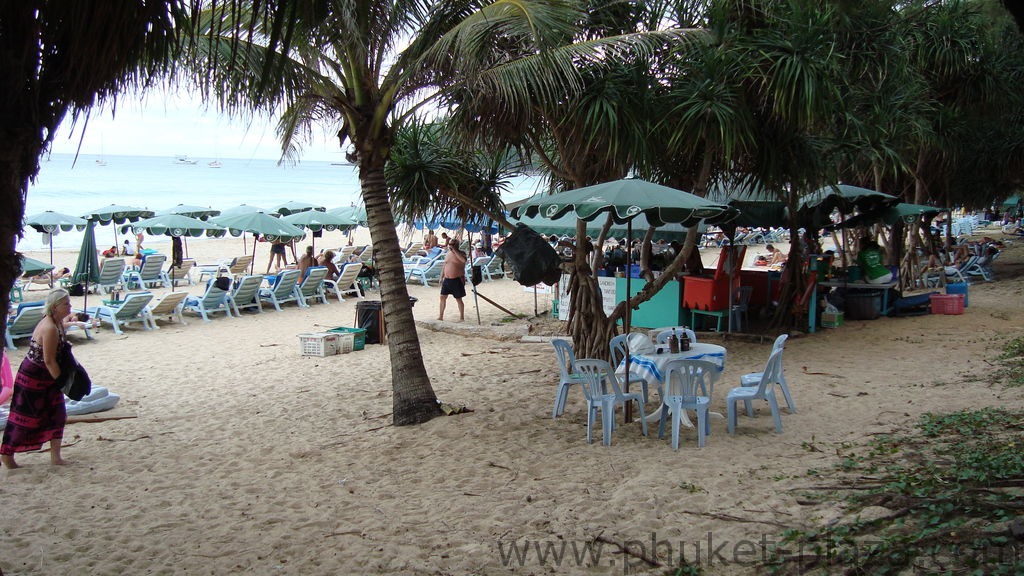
point(651, 367)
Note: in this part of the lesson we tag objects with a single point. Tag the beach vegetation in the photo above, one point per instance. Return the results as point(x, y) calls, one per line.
point(942, 497)
point(1012, 360)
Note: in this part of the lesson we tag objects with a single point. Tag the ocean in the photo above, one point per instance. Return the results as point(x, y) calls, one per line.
point(158, 183)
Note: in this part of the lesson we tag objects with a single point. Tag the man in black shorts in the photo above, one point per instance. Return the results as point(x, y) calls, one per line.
point(453, 279)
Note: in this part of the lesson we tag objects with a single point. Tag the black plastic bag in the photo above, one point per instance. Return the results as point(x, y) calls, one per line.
point(532, 259)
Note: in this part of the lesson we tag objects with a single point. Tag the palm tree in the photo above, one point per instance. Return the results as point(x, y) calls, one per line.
point(60, 59)
point(369, 66)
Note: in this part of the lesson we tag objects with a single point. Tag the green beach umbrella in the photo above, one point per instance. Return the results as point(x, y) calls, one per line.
point(31, 267)
point(889, 215)
point(294, 207)
point(198, 212)
point(87, 268)
point(624, 200)
point(317, 221)
point(356, 213)
point(117, 214)
point(819, 205)
point(242, 209)
point(51, 223)
point(178, 225)
point(259, 224)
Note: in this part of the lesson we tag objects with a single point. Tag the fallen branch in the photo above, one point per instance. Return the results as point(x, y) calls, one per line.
point(345, 533)
point(76, 420)
point(122, 439)
point(731, 518)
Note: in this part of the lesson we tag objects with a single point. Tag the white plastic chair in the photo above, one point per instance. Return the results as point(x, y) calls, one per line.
point(662, 337)
point(567, 374)
point(765, 390)
point(595, 373)
point(312, 287)
point(169, 306)
point(695, 380)
point(754, 378)
point(347, 281)
point(245, 294)
point(617, 346)
point(131, 309)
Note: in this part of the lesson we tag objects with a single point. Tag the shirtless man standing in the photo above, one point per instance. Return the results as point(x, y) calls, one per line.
point(453, 279)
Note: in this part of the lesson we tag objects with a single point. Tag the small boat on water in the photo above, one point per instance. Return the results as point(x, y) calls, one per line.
point(184, 161)
point(214, 164)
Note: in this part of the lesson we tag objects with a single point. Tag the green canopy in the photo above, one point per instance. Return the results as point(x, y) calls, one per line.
point(356, 213)
point(51, 222)
point(316, 221)
point(242, 209)
point(31, 267)
point(566, 226)
point(625, 200)
point(260, 223)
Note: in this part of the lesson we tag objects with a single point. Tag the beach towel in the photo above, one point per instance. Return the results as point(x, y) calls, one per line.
point(6, 379)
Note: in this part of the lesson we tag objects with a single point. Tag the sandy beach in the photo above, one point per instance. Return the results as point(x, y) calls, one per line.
point(230, 453)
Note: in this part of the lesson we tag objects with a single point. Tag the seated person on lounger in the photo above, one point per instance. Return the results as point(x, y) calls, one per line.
point(326, 259)
point(775, 256)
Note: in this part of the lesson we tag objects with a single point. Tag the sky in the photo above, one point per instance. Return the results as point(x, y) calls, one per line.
point(162, 124)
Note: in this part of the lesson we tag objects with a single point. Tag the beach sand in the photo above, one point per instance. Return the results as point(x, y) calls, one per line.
point(232, 453)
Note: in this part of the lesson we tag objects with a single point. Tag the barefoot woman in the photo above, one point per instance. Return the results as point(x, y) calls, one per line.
point(37, 406)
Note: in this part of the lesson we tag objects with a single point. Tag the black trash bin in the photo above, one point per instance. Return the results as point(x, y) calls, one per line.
point(368, 317)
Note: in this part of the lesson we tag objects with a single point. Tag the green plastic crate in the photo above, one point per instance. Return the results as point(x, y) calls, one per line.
point(358, 336)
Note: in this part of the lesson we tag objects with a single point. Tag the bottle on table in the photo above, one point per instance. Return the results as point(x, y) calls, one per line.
point(673, 342)
point(684, 342)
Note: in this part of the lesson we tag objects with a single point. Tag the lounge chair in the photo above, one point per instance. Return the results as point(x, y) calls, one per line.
point(111, 272)
point(282, 291)
point(246, 294)
point(212, 301)
point(427, 274)
point(495, 268)
point(235, 267)
point(347, 282)
point(312, 286)
point(169, 306)
point(23, 324)
point(150, 274)
point(176, 274)
point(131, 309)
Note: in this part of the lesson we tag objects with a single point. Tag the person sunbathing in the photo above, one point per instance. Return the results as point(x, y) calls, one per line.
point(50, 277)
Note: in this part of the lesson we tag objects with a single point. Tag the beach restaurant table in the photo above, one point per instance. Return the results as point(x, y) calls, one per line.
point(651, 367)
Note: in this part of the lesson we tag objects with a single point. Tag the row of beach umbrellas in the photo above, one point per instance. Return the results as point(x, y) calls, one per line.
point(283, 223)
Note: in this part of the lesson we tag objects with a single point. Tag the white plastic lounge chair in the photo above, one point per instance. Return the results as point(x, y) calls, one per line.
point(131, 309)
point(426, 272)
point(246, 294)
point(765, 390)
point(111, 272)
point(170, 307)
point(595, 373)
point(495, 268)
point(312, 287)
point(366, 256)
point(687, 387)
point(150, 275)
point(483, 262)
point(176, 274)
point(347, 282)
point(23, 324)
point(235, 267)
point(212, 301)
point(283, 291)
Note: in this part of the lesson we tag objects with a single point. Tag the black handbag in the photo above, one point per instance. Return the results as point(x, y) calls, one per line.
point(74, 381)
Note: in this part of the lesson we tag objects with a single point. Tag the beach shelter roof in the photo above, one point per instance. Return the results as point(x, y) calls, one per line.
point(846, 199)
point(262, 224)
point(242, 209)
point(757, 206)
point(294, 207)
point(566, 226)
point(32, 267)
point(198, 212)
point(178, 225)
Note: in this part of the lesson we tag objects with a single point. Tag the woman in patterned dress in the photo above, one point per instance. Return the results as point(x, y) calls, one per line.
point(37, 406)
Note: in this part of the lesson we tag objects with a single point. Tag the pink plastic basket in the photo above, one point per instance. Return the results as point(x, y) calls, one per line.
point(947, 303)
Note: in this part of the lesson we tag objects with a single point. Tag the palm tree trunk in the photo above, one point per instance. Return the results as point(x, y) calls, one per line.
point(414, 400)
point(17, 165)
